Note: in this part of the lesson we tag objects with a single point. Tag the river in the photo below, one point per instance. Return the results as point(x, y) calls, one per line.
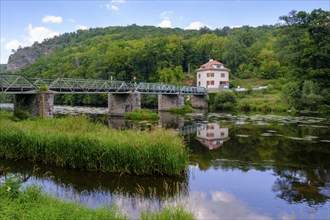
point(241, 167)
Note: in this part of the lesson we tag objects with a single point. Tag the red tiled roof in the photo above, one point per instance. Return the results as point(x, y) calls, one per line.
point(210, 66)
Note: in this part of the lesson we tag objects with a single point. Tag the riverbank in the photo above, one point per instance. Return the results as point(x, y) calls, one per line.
point(78, 143)
point(31, 202)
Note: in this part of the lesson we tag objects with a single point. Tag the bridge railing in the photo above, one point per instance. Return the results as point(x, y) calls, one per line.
point(16, 84)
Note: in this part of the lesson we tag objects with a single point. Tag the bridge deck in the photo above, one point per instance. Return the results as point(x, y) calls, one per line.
point(17, 84)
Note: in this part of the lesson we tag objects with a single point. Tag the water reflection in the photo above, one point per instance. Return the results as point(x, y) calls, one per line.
point(241, 166)
point(81, 181)
point(213, 136)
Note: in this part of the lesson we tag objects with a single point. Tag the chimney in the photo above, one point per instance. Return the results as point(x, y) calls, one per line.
point(210, 60)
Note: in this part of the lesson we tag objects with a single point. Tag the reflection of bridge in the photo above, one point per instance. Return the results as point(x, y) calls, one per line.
point(37, 95)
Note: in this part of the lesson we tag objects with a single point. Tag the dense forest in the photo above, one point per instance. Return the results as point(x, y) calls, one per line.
point(295, 52)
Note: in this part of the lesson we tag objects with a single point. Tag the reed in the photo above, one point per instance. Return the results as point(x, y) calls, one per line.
point(78, 143)
point(176, 213)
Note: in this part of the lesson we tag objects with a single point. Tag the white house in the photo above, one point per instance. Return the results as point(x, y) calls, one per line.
point(213, 75)
point(213, 136)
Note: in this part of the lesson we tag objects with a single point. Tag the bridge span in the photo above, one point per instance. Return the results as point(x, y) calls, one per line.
point(37, 95)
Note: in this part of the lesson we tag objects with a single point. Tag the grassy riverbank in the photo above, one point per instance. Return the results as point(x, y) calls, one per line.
point(78, 143)
point(32, 203)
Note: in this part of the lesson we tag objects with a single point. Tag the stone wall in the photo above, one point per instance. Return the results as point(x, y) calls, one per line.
point(166, 102)
point(119, 104)
point(38, 105)
point(199, 101)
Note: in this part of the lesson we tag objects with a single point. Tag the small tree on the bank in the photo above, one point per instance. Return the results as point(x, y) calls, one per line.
point(224, 100)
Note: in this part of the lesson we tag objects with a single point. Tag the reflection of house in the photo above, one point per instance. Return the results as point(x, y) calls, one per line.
point(213, 136)
point(213, 76)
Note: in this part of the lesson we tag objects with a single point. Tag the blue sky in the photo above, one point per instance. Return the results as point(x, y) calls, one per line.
point(24, 22)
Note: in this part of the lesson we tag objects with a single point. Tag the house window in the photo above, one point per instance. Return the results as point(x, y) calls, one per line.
point(222, 134)
point(199, 83)
point(210, 74)
point(199, 75)
point(210, 126)
point(223, 75)
point(209, 134)
point(210, 83)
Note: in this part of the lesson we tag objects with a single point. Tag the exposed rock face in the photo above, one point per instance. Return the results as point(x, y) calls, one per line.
point(27, 55)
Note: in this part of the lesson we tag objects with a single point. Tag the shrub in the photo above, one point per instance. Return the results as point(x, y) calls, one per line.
point(224, 97)
point(291, 94)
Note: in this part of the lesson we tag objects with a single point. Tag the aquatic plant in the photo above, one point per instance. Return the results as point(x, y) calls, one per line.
point(141, 114)
point(78, 143)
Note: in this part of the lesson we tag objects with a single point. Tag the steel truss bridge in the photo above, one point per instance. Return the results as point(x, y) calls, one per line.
point(18, 84)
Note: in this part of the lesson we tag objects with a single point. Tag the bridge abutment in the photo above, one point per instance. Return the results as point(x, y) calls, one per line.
point(38, 105)
point(168, 101)
point(199, 101)
point(120, 103)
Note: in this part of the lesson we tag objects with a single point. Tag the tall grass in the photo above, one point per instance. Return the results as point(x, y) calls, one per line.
point(175, 213)
point(76, 142)
point(31, 202)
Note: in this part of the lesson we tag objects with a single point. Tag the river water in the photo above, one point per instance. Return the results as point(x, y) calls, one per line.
point(241, 167)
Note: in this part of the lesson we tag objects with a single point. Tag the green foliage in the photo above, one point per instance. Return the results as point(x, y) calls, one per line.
point(10, 187)
point(75, 142)
point(182, 110)
point(174, 213)
point(310, 94)
point(141, 114)
point(21, 114)
point(225, 100)
point(291, 93)
point(186, 108)
point(31, 203)
point(43, 88)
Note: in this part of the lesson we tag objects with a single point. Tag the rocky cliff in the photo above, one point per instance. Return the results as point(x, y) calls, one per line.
point(27, 55)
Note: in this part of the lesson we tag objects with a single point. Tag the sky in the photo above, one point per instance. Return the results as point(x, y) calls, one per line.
point(25, 21)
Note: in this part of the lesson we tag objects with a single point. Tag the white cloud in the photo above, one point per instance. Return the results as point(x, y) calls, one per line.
point(13, 45)
point(81, 27)
point(114, 5)
point(165, 15)
point(196, 25)
point(114, 8)
point(38, 34)
point(52, 19)
point(165, 24)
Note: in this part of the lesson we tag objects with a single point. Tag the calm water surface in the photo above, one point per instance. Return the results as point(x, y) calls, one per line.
point(242, 167)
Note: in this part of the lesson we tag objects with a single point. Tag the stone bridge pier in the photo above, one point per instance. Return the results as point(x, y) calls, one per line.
point(168, 101)
point(199, 101)
point(38, 105)
point(120, 103)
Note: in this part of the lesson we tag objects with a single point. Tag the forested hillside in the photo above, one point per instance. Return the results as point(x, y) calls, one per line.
point(296, 50)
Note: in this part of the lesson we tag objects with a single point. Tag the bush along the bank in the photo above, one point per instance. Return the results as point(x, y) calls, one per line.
point(75, 142)
point(141, 114)
point(224, 100)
